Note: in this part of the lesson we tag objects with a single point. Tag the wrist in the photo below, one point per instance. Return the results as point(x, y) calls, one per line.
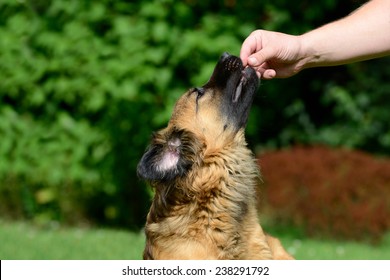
point(309, 55)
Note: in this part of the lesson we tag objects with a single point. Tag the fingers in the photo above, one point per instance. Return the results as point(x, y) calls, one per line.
point(249, 46)
point(253, 53)
point(259, 62)
point(266, 74)
point(253, 61)
point(261, 57)
point(269, 74)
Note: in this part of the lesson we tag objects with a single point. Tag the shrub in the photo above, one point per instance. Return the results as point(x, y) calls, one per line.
point(330, 192)
point(84, 84)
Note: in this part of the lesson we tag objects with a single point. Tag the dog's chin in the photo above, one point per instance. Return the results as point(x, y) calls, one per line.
point(236, 86)
point(245, 78)
point(238, 99)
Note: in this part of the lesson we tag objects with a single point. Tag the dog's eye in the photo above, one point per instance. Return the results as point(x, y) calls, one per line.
point(199, 91)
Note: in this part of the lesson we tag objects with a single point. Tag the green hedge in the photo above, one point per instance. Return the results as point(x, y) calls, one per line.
point(83, 84)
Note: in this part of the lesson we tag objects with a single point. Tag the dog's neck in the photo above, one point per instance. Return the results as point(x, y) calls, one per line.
point(228, 177)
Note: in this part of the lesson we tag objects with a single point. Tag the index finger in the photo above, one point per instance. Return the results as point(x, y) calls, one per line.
point(249, 46)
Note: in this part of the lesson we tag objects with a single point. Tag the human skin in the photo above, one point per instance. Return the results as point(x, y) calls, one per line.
point(362, 35)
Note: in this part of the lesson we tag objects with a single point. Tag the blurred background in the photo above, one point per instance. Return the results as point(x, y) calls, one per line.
point(84, 83)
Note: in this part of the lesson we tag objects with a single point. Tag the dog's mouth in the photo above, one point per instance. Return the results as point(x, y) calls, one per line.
point(236, 86)
point(245, 75)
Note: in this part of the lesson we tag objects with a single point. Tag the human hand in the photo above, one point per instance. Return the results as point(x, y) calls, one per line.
point(273, 54)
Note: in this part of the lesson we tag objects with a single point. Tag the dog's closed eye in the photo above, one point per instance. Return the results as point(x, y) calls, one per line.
point(199, 91)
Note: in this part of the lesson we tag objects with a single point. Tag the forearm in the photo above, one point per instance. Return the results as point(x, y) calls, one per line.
point(362, 35)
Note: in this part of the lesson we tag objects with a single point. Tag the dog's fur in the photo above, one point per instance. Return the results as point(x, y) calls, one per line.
point(205, 177)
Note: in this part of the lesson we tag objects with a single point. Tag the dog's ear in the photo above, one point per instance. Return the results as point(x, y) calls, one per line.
point(170, 155)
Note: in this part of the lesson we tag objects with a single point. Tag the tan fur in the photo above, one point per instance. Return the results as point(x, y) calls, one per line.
point(210, 213)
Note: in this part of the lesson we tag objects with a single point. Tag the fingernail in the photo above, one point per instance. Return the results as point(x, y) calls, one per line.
point(252, 61)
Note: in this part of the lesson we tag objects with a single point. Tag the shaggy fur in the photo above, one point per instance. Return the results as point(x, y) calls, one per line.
point(205, 177)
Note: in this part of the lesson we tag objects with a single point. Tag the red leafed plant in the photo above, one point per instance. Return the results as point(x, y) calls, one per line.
point(329, 192)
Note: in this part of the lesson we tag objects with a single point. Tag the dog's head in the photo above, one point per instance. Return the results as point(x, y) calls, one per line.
point(205, 120)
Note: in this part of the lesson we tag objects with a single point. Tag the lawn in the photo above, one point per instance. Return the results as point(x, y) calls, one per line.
point(20, 240)
point(313, 249)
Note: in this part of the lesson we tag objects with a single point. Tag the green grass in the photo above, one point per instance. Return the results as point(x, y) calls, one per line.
point(20, 240)
point(304, 248)
point(314, 249)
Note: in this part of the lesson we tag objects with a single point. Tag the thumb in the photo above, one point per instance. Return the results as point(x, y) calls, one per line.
point(261, 56)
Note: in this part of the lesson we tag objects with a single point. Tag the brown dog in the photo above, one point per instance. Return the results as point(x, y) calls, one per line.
point(205, 177)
